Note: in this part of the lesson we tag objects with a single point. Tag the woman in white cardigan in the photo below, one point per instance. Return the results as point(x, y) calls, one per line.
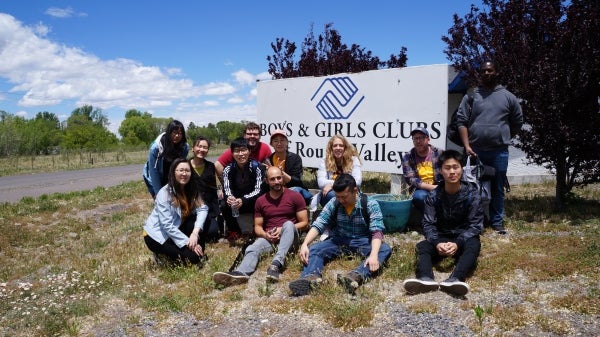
point(340, 157)
point(174, 228)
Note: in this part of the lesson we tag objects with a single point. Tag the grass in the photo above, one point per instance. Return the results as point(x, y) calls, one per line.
point(66, 257)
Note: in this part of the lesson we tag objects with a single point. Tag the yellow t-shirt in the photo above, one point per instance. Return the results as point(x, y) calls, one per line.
point(425, 168)
point(279, 162)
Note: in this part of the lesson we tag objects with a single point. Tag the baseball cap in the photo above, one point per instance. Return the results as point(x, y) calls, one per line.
point(421, 130)
point(278, 132)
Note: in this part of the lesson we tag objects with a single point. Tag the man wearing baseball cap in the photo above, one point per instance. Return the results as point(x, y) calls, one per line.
point(289, 162)
point(421, 167)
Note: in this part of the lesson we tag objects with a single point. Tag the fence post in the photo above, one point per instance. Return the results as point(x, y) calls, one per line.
point(396, 183)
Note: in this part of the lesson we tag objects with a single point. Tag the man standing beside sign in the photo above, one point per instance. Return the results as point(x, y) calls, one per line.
point(486, 126)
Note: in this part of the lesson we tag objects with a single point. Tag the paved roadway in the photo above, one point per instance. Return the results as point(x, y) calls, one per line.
point(13, 188)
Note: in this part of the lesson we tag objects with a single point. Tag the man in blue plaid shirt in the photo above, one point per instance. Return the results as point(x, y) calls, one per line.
point(349, 234)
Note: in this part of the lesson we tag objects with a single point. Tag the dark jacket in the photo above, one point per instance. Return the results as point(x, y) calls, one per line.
point(207, 184)
point(245, 182)
point(458, 218)
point(293, 167)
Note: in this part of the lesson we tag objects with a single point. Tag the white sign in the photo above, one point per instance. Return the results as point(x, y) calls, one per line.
point(375, 110)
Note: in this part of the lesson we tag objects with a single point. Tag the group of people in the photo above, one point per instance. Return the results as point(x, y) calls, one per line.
point(263, 196)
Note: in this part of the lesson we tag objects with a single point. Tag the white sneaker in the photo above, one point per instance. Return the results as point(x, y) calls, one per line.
point(421, 285)
point(455, 287)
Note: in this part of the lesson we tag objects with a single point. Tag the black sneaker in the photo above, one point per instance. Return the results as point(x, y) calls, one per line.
point(455, 287)
point(350, 281)
point(499, 229)
point(303, 286)
point(421, 285)
point(230, 279)
point(273, 273)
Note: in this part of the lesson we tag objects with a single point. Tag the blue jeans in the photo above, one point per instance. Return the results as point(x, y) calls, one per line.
point(419, 199)
point(305, 193)
point(325, 199)
point(325, 251)
point(498, 159)
point(289, 238)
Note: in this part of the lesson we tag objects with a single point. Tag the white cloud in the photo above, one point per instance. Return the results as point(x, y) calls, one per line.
point(243, 77)
point(55, 77)
point(63, 12)
point(211, 103)
point(21, 114)
point(235, 100)
point(48, 73)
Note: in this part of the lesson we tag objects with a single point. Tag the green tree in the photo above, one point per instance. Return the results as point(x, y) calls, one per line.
point(137, 128)
point(210, 132)
point(548, 54)
point(325, 55)
point(47, 131)
point(229, 131)
point(87, 130)
point(10, 135)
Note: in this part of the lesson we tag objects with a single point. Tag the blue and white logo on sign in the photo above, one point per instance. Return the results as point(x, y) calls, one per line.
point(337, 98)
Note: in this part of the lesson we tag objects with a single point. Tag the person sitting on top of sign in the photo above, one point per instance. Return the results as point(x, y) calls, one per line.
point(340, 157)
point(289, 162)
point(421, 167)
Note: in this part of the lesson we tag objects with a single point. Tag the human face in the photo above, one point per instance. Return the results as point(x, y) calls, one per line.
point(451, 171)
point(347, 197)
point(337, 147)
point(252, 136)
point(489, 76)
point(176, 136)
point(275, 179)
point(279, 143)
point(201, 149)
point(183, 173)
point(420, 141)
point(240, 155)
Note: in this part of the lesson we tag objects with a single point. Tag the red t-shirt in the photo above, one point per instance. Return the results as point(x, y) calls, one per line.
point(277, 211)
point(261, 152)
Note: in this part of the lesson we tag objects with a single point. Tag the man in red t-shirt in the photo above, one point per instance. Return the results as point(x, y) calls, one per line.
point(259, 151)
point(278, 216)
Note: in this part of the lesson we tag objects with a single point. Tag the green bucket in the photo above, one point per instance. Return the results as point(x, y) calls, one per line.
point(395, 212)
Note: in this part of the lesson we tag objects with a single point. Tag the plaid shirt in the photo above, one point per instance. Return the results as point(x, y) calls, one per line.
point(409, 167)
point(353, 225)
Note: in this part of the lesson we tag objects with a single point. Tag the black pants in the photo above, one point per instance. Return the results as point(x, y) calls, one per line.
point(170, 249)
point(466, 256)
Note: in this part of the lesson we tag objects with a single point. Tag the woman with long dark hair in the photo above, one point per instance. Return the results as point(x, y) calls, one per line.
point(207, 183)
point(167, 147)
point(174, 227)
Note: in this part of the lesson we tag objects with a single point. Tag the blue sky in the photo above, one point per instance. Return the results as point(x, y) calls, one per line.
point(196, 61)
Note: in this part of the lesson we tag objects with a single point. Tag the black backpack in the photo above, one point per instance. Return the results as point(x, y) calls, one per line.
point(452, 130)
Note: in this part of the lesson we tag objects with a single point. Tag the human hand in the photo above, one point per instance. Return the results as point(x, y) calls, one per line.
point(198, 250)
point(193, 241)
point(326, 189)
point(273, 235)
point(372, 262)
point(470, 151)
point(304, 253)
